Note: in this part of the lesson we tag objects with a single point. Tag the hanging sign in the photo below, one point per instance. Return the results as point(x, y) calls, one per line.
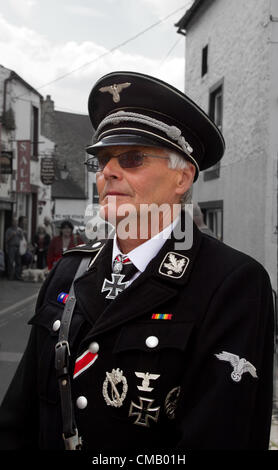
point(47, 170)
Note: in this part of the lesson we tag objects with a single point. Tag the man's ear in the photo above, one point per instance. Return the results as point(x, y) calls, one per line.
point(185, 178)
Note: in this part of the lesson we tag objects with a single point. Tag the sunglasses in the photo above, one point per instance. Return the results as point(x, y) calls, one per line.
point(131, 159)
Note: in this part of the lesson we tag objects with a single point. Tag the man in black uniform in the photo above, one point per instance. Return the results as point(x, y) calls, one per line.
point(161, 341)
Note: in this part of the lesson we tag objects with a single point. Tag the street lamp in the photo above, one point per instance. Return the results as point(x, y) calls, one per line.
point(64, 172)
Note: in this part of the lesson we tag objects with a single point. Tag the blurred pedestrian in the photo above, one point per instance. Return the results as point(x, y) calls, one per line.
point(13, 237)
point(64, 241)
point(48, 226)
point(25, 248)
point(41, 244)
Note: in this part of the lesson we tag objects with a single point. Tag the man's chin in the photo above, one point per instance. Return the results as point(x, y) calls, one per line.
point(115, 213)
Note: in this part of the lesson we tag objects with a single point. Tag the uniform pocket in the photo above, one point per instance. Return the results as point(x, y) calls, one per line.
point(151, 337)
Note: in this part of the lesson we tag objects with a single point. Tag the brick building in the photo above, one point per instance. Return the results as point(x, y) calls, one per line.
point(232, 73)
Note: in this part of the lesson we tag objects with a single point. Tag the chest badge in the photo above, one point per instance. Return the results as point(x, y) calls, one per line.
point(144, 411)
point(146, 377)
point(115, 286)
point(62, 297)
point(171, 402)
point(174, 265)
point(115, 90)
point(115, 388)
point(240, 366)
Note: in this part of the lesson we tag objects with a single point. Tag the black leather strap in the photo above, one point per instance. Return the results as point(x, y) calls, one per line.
point(62, 353)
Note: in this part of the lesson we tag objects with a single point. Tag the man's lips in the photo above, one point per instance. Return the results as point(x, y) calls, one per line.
point(115, 193)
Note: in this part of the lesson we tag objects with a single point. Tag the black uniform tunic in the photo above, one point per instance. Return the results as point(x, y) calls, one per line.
point(173, 380)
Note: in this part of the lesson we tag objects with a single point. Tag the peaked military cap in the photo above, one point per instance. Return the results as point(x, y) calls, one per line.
point(128, 108)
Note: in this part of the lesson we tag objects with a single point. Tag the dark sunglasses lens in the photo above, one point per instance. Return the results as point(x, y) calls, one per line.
point(102, 162)
point(131, 159)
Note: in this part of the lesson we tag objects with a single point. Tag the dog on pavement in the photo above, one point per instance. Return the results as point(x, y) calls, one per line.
point(34, 275)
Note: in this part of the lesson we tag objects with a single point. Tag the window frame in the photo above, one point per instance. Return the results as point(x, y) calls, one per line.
point(209, 207)
point(214, 171)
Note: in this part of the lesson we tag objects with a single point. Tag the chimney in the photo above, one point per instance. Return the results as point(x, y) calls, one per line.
point(47, 117)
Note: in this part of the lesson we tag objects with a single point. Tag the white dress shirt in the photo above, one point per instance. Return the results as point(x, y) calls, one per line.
point(143, 254)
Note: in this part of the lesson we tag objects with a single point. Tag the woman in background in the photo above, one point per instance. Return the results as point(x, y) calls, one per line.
point(61, 243)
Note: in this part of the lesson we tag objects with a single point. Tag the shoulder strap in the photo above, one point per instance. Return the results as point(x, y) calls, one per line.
point(62, 353)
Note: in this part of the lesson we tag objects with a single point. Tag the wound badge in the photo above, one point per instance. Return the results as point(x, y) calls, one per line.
point(115, 388)
point(171, 402)
point(174, 265)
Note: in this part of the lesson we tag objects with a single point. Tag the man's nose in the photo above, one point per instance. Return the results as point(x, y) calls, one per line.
point(112, 168)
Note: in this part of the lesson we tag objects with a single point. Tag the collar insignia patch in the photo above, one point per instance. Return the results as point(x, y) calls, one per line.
point(174, 265)
point(240, 366)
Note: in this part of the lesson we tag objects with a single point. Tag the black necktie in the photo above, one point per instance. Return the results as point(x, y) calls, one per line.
point(123, 270)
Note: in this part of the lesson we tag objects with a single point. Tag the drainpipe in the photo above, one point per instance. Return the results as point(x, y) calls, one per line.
point(5, 91)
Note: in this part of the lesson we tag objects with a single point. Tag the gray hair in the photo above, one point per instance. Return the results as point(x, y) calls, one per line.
point(176, 162)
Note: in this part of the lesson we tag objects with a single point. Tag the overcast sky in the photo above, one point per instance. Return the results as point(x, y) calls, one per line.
point(42, 40)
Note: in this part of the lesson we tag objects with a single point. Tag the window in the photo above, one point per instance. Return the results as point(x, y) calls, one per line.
point(213, 217)
point(35, 131)
point(216, 114)
point(216, 107)
point(6, 166)
point(204, 60)
point(95, 194)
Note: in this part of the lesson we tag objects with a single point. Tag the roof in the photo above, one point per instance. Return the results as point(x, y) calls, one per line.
point(72, 133)
point(189, 14)
point(15, 76)
point(66, 189)
point(73, 127)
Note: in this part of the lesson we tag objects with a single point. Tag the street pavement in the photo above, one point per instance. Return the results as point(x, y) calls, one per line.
point(17, 305)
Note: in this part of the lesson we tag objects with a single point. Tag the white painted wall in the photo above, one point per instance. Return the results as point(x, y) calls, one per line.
point(239, 38)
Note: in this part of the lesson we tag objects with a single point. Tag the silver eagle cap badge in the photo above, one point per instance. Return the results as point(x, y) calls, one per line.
point(240, 365)
point(115, 90)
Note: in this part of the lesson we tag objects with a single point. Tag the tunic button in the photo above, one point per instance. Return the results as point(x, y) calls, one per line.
point(81, 402)
point(94, 347)
point(96, 244)
point(56, 325)
point(152, 341)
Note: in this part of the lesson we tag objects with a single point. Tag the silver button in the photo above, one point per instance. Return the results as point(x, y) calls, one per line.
point(96, 244)
point(152, 341)
point(81, 402)
point(94, 347)
point(56, 325)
